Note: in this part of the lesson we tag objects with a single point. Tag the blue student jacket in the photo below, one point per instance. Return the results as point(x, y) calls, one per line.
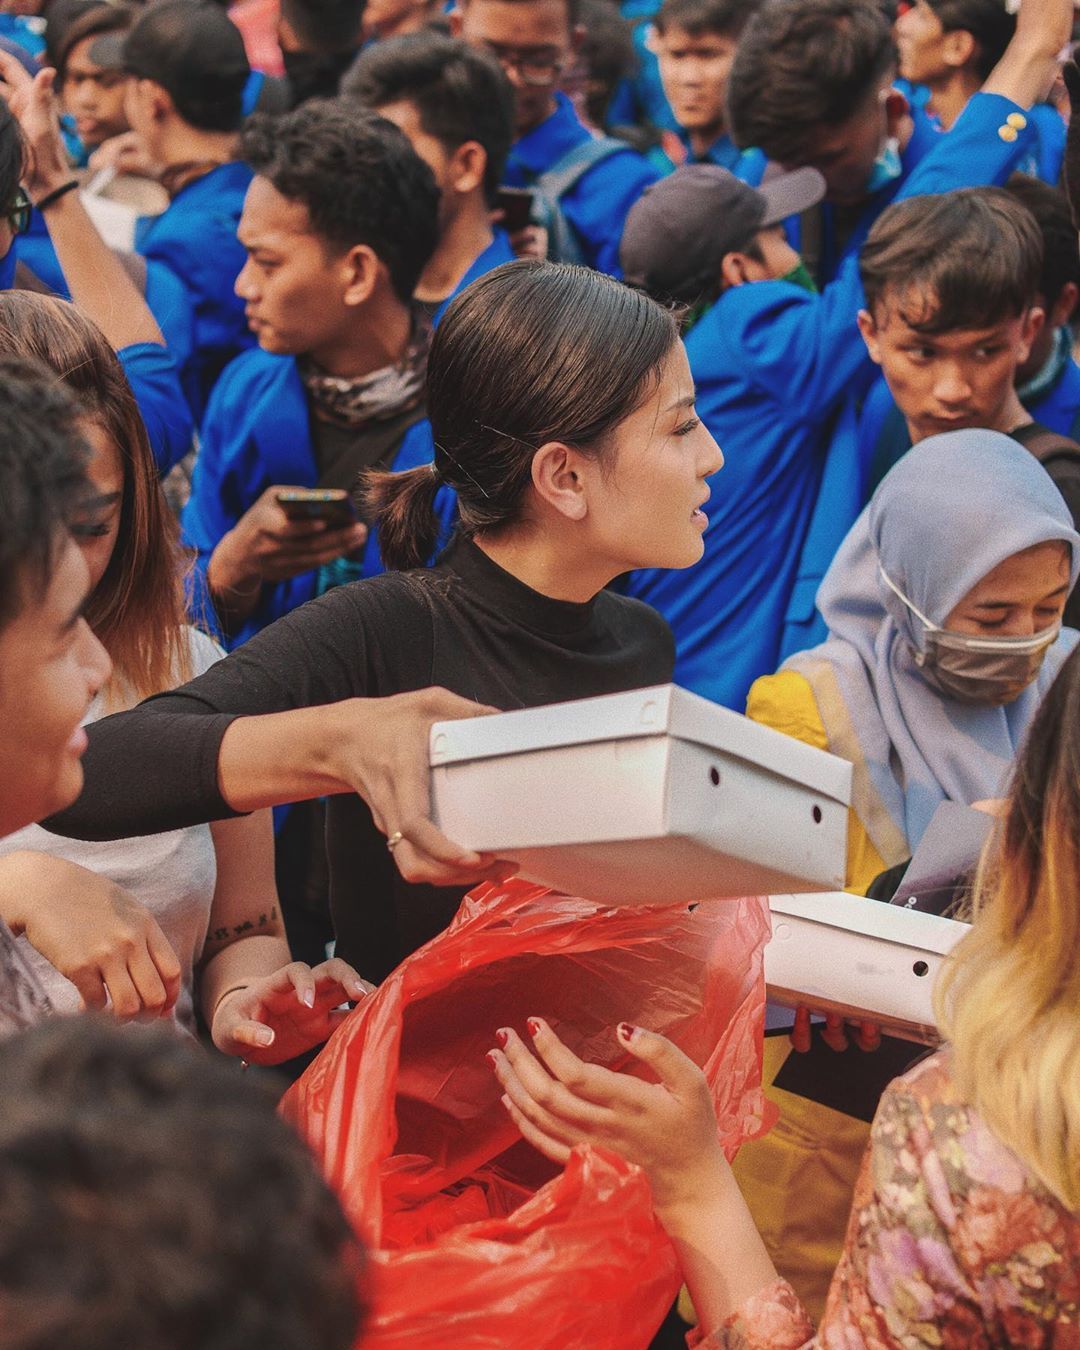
point(496, 253)
point(256, 433)
point(155, 382)
point(195, 238)
point(597, 205)
point(779, 373)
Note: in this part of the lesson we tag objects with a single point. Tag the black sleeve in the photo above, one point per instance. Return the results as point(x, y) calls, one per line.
point(1065, 471)
point(155, 768)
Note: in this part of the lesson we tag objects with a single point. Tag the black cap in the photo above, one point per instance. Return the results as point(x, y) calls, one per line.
point(679, 230)
point(194, 51)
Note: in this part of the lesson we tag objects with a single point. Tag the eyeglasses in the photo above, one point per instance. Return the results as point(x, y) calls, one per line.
point(535, 68)
point(18, 216)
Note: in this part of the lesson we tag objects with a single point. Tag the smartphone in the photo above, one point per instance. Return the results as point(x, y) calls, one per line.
point(516, 204)
point(334, 505)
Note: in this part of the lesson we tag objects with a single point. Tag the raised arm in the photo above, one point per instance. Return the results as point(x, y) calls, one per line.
point(99, 282)
point(1029, 65)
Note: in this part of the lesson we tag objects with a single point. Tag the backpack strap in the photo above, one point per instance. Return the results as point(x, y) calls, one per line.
point(569, 169)
point(1048, 445)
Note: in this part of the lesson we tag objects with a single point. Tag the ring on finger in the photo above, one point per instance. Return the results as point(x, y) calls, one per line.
point(394, 840)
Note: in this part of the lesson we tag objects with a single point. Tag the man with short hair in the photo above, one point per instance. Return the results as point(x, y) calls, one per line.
point(951, 314)
point(187, 75)
point(949, 47)
point(695, 42)
point(456, 107)
point(587, 184)
point(51, 665)
point(339, 223)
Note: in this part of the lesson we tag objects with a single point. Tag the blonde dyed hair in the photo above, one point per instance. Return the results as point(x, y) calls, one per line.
point(1009, 999)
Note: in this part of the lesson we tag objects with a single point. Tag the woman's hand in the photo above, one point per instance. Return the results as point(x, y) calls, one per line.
point(94, 932)
point(667, 1128)
point(382, 753)
point(125, 154)
point(280, 1016)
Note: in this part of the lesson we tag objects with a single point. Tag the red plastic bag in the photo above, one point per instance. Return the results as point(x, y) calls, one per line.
point(476, 1241)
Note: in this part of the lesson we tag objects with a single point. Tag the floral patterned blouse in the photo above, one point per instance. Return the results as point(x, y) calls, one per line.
point(952, 1243)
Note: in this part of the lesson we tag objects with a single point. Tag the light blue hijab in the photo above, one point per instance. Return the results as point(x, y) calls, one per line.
point(952, 509)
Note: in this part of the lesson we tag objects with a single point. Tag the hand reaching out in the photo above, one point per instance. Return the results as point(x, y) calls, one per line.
point(667, 1128)
point(280, 1016)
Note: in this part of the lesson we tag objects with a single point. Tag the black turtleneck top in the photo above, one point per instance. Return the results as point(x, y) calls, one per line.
point(465, 624)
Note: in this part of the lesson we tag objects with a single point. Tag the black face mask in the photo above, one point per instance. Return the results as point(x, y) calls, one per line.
point(315, 74)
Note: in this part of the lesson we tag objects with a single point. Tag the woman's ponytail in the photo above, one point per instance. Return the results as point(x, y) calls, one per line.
point(401, 507)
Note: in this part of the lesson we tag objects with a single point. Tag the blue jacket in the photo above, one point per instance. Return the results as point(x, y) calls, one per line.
point(195, 238)
point(597, 205)
point(778, 372)
point(155, 382)
point(496, 253)
point(256, 433)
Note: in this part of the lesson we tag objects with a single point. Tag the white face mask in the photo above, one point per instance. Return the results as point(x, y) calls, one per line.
point(975, 669)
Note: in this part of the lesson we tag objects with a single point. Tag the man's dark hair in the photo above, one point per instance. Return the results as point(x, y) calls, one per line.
point(1050, 207)
point(964, 259)
point(42, 480)
point(724, 18)
point(88, 20)
point(153, 1198)
point(989, 23)
point(573, 9)
point(802, 64)
point(12, 158)
point(459, 93)
point(359, 178)
point(325, 25)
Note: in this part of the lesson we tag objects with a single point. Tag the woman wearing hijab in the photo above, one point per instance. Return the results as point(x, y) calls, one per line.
point(944, 608)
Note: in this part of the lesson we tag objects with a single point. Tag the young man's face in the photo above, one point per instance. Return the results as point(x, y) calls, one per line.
point(51, 666)
point(844, 153)
point(920, 40)
point(293, 287)
point(94, 95)
point(948, 381)
point(694, 70)
point(532, 41)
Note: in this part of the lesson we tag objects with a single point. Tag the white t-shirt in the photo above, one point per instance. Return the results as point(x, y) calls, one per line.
point(172, 874)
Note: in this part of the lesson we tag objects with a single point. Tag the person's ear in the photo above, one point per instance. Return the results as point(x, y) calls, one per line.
point(455, 18)
point(286, 36)
point(159, 103)
point(957, 48)
point(577, 37)
point(558, 482)
point(1032, 327)
point(468, 167)
point(736, 269)
point(359, 274)
point(868, 329)
point(898, 121)
point(1064, 306)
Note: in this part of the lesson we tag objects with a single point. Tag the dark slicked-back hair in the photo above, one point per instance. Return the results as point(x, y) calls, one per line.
point(802, 64)
point(153, 1199)
point(964, 259)
point(325, 25)
point(358, 177)
point(459, 93)
point(42, 480)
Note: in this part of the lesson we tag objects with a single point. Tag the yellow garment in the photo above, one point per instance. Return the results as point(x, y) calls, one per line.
point(799, 1179)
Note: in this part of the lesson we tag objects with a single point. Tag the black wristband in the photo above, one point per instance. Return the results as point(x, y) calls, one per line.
point(56, 194)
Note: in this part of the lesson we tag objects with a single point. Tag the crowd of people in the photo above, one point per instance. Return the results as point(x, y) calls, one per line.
point(369, 366)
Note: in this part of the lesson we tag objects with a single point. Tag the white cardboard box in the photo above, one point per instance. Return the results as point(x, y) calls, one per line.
point(864, 959)
point(648, 797)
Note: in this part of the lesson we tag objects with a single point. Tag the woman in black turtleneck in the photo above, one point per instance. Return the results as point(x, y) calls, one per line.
point(562, 409)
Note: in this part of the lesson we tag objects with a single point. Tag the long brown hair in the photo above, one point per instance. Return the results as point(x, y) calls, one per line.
point(530, 353)
point(137, 608)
